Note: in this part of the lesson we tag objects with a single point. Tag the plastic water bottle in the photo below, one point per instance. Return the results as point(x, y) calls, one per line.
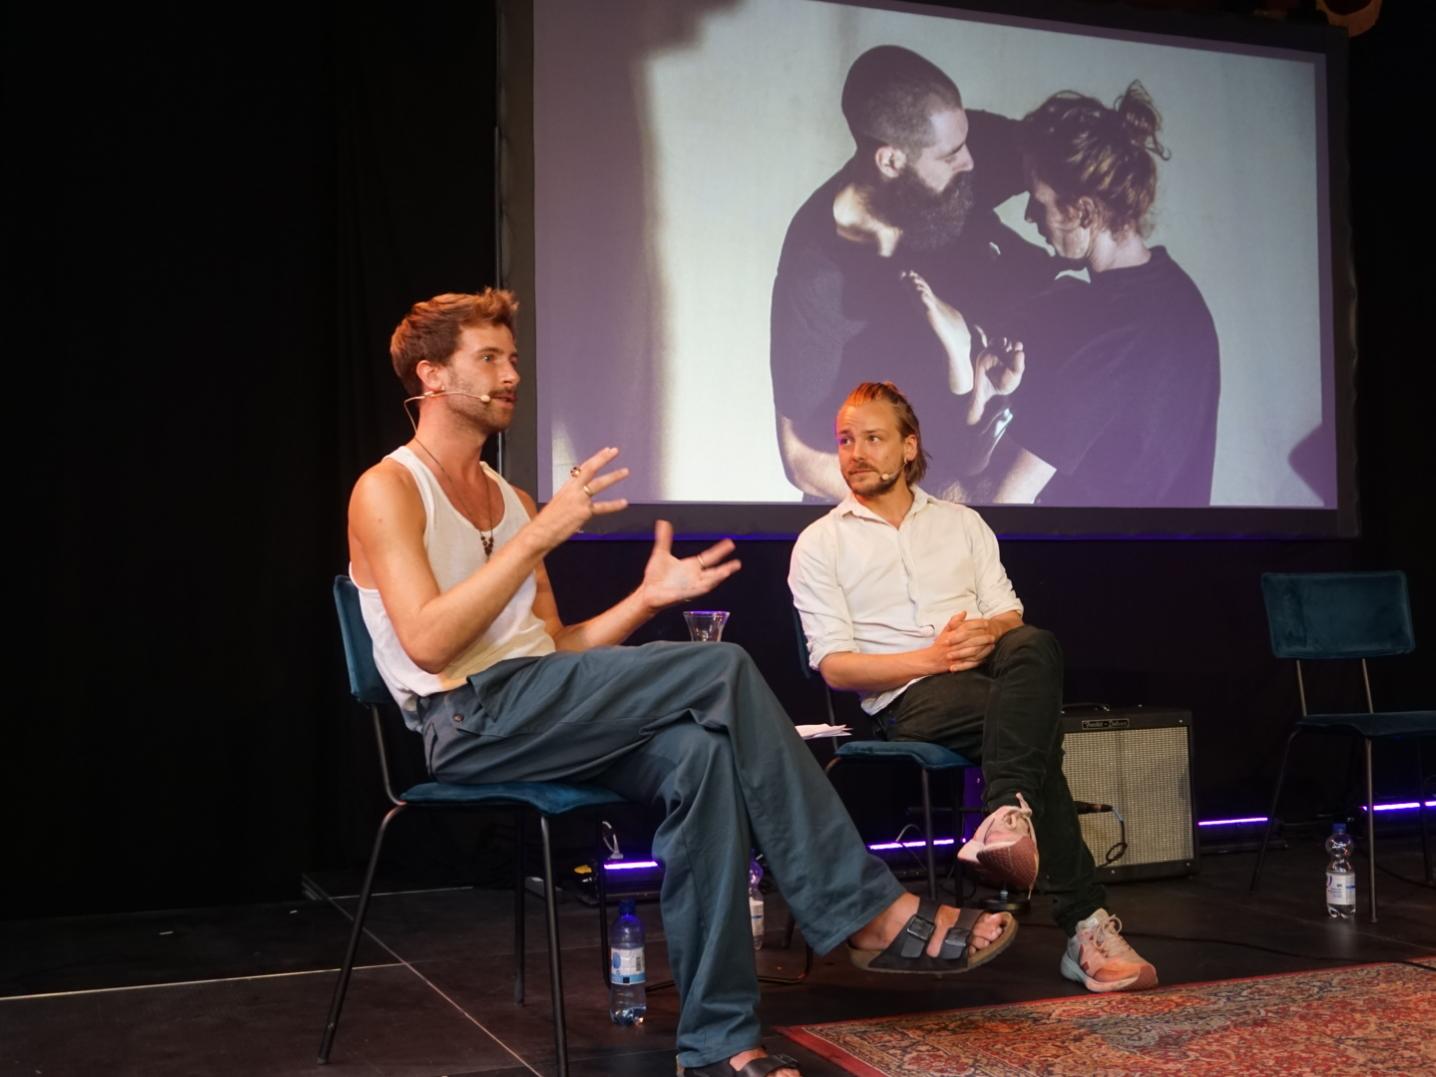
point(627, 990)
point(755, 901)
point(1340, 879)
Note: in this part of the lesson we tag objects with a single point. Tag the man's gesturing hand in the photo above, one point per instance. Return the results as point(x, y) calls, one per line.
point(668, 579)
point(576, 502)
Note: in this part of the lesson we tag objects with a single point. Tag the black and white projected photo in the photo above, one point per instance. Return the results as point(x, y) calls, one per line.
point(1096, 262)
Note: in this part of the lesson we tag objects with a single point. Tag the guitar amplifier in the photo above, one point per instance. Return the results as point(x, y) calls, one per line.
point(1136, 763)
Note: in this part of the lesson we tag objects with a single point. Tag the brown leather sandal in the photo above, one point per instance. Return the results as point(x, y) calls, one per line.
point(759, 1067)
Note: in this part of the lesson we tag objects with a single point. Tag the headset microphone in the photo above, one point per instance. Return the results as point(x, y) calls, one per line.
point(483, 398)
point(885, 475)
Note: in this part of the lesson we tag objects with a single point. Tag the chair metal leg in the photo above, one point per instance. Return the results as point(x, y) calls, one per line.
point(1353, 773)
point(1271, 812)
point(555, 958)
point(788, 932)
point(600, 885)
point(927, 832)
point(788, 981)
point(1370, 829)
point(337, 1004)
point(520, 889)
point(1421, 798)
point(959, 833)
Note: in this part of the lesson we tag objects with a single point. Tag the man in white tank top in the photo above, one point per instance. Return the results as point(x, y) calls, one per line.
point(449, 562)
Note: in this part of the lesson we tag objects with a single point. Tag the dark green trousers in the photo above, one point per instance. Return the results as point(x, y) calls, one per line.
point(1005, 715)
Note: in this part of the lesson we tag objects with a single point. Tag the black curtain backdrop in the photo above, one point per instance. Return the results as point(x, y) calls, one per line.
point(213, 228)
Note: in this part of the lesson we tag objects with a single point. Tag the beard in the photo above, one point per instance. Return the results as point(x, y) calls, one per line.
point(488, 419)
point(879, 485)
point(929, 219)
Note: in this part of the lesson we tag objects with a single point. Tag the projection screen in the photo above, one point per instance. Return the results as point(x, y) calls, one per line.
point(673, 212)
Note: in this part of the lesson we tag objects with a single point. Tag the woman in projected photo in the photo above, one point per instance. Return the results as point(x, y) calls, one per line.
point(1117, 398)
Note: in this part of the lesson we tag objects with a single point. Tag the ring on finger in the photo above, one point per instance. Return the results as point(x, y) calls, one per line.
point(587, 491)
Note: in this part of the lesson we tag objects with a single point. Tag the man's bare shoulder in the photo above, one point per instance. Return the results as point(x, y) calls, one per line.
point(530, 506)
point(385, 513)
point(387, 484)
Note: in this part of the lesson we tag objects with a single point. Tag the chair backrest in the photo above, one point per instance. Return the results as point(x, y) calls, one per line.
point(400, 761)
point(801, 639)
point(364, 681)
point(1322, 615)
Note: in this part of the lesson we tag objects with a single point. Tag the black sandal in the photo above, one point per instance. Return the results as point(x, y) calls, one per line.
point(759, 1067)
point(908, 952)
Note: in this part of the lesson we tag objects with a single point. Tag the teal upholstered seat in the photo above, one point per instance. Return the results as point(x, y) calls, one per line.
point(1328, 616)
point(926, 757)
point(546, 799)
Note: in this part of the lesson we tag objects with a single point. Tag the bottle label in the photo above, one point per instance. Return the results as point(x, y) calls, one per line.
point(755, 914)
point(1340, 888)
point(627, 966)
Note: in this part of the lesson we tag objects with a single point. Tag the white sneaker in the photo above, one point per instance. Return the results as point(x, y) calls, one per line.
point(1004, 847)
point(1101, 960)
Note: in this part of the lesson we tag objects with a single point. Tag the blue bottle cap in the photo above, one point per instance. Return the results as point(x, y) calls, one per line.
point(1338, 828)
point(627, 907)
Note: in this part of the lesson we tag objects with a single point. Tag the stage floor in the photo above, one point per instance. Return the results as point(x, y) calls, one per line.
point(244, 990)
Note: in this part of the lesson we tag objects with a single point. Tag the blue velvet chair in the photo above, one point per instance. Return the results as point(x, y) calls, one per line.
point(546, 799)
point(928, 758)
point(1345, 615)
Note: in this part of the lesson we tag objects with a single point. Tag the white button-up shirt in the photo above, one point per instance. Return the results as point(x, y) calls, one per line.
point(862, 585)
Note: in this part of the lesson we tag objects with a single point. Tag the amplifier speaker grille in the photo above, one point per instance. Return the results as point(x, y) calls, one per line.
point(1140, 763)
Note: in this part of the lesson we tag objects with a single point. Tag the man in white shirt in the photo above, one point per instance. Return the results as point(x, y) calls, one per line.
point(904, 600)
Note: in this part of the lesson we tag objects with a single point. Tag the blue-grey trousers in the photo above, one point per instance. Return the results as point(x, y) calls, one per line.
point(693, 728)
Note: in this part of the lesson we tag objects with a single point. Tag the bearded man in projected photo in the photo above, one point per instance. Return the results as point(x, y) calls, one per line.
point(909, 218)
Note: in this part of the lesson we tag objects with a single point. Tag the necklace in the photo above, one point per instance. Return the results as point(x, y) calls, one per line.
point(486, 537)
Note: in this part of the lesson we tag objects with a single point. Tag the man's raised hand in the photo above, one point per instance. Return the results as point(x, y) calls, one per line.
point(668, 579)
point(576, 502)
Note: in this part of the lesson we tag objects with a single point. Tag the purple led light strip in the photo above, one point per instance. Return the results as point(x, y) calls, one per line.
point(889, 846)
point(1248, 820)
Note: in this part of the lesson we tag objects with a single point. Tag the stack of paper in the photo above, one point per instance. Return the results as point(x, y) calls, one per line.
point(814, 732)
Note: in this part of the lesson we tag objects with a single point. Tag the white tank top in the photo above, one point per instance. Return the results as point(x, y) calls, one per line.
point(455, 553)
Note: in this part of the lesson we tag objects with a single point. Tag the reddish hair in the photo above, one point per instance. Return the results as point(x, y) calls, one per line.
point(870, 391)
point(431, 329)
point(1082, 149)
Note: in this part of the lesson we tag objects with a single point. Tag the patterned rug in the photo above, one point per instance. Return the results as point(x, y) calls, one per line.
point(1356, 1020)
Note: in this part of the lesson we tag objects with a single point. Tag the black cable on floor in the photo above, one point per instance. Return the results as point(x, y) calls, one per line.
point(910, 828)
point(949, 879)
point(1404, 878)
point(1259, 946)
